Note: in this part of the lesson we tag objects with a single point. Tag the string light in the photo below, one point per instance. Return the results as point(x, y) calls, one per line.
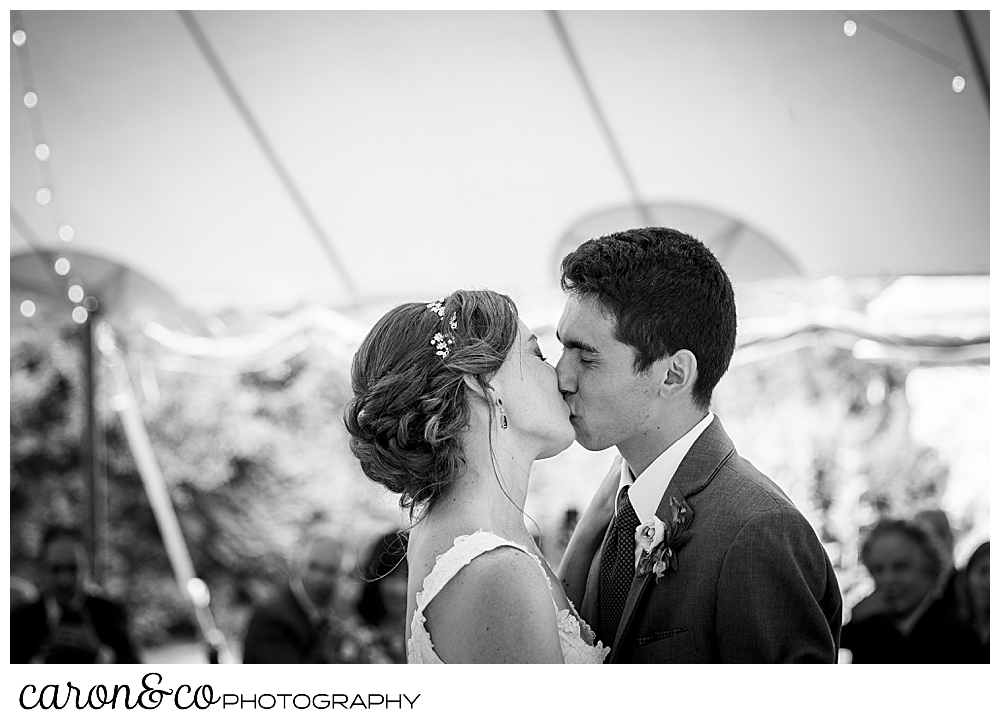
point(198, 591)
point(850, 28)
point(958, 84)
point(43, 196)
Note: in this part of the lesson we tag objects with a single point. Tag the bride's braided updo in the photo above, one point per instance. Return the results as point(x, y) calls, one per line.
point(410, 404)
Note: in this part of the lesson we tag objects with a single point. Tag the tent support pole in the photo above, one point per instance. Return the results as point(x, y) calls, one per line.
point(977, 57)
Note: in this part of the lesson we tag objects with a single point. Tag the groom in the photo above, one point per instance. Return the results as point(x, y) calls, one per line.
point(728, 570)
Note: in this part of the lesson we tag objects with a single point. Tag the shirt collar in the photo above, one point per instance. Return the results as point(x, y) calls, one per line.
point(313, 613)
point(907, 625)
point(54, 610)
point(647, 490)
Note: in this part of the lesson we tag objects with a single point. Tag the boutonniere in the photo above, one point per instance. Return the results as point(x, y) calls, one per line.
point(657, 539)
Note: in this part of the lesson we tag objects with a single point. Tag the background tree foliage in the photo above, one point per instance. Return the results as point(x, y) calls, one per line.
point(833, 432)
point(256, 463)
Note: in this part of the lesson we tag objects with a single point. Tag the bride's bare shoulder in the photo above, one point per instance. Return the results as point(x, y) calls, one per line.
point(429, 541)
point(496, 608)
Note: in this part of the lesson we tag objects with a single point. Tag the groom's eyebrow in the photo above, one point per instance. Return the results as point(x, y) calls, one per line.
point(575, 344)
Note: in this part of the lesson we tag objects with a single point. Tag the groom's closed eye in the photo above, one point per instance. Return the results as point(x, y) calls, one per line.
point(587, 354)
point(572, 344)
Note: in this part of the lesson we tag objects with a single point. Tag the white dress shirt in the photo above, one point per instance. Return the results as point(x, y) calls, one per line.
point(646, 491)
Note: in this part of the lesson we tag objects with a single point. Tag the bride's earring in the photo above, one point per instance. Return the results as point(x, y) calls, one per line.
point(503, 415)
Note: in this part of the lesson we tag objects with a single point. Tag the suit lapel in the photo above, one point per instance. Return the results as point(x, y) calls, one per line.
point(700, 465)
point(709, 452)
point(298, 619)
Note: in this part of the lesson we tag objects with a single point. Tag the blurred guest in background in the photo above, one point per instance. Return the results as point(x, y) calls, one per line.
point(377, 633)
point(292, 626)
point(935, 521)
point(69, 623)
point(975, 597)
point(22, 591)
point(566, 527)
point(912, 624)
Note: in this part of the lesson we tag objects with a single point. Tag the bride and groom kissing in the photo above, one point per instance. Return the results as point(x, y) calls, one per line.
point(686, 553)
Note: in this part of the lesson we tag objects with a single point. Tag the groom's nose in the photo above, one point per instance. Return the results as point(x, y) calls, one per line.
point(565, 375)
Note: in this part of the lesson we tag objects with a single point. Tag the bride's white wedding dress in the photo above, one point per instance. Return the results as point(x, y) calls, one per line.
point(574, 633)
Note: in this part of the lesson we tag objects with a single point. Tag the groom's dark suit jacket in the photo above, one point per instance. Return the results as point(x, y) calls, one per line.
point(753, 582)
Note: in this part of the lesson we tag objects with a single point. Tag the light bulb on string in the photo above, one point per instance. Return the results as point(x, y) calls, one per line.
point(199, 593)
point(850, 28)
point(42, 152)
point(90, 304)
point(62, 266)
point(43, 196)
point(66, 232)
point(19, 37)
point(75, 294)
point(958, 84)
point(80, 315)
point(30, 99)
point(117, 403)
point(28, 308)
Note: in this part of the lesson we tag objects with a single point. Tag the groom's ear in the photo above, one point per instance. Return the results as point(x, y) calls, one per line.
point(679, 371)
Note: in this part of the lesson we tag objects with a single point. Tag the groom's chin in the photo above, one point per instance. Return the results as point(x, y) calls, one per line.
point(589, 443)
point(557, 448)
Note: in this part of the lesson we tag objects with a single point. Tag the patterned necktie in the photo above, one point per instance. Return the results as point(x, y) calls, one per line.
point(617, 567)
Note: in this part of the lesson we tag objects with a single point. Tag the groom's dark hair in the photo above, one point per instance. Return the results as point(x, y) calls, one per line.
point(666, 291)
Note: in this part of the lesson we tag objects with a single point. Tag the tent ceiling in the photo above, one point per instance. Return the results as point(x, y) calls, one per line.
point(445, 149)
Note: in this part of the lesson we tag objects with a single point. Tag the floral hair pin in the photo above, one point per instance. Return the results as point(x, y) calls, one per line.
point(442, 341)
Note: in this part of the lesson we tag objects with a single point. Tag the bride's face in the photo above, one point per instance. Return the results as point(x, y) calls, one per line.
point(535, 410)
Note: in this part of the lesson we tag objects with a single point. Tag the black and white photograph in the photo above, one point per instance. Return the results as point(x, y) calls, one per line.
point(498, 336)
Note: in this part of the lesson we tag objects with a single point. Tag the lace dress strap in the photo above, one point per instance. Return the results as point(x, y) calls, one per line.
point(575, 637)
point(419, 648)
point(465, 549)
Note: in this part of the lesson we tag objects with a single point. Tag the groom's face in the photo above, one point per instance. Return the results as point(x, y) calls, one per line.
point(609, 403)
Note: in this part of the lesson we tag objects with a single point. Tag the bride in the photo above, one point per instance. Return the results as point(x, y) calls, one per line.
point(453, 402)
